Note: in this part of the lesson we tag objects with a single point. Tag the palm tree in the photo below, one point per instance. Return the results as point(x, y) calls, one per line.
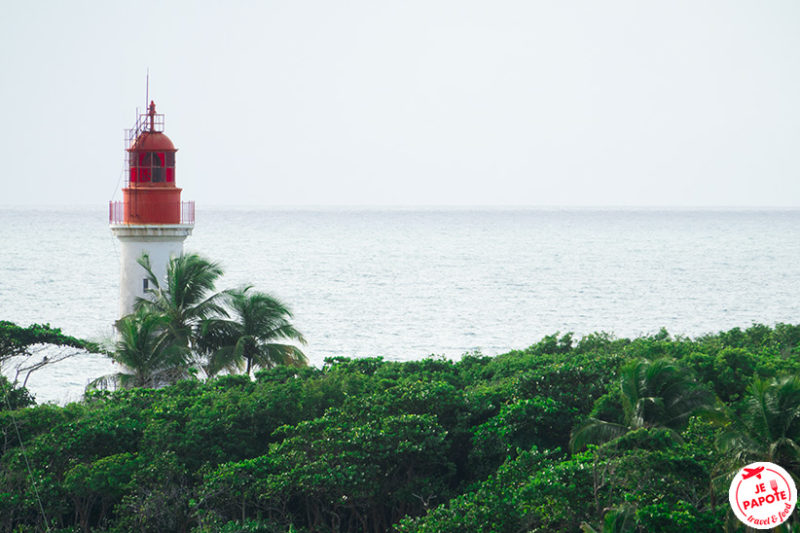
point(768, 426)
point(656, 393)
point(186, 297)
point(147, 352)
point(248, 338)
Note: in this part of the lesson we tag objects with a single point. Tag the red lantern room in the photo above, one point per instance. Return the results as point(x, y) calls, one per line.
point(150, 195)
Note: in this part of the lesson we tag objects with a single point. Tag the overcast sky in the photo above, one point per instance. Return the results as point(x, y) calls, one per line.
point(535, 103)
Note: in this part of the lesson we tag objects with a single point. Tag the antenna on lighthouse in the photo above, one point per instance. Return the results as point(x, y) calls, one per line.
point(147, 90)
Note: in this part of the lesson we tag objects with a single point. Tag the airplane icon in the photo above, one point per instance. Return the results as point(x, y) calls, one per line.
point(750, 472)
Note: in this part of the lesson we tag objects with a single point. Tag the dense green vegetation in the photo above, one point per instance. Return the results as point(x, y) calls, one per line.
point(598, 434)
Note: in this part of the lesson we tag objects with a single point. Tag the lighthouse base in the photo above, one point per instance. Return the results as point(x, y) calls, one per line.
point(160, 242)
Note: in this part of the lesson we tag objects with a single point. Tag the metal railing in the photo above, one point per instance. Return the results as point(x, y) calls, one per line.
point(142, 125)
point(187, 212)
point(116, 213)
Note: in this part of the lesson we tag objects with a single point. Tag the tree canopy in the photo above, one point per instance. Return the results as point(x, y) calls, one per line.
point(28, 349)
point(20, 341)
point(479, 444)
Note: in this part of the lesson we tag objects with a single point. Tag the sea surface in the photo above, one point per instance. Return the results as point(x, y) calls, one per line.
point(407, 283)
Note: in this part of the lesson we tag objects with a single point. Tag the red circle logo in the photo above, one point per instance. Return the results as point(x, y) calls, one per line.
point(762, 495)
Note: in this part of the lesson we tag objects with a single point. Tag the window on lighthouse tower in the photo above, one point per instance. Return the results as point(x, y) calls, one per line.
point(169, 162)
point(144, 166)
point(158, 166)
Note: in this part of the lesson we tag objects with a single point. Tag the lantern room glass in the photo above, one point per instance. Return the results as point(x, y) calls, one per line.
point(155, 167)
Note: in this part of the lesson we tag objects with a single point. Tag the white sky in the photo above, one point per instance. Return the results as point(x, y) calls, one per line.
point(537, 103)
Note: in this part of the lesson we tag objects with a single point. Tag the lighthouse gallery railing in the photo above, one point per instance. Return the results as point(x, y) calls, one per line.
point(116, 213)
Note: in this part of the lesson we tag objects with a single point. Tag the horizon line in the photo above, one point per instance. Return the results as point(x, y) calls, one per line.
point(442, 207)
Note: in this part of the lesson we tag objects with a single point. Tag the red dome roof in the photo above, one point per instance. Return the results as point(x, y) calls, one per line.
point(152, 141)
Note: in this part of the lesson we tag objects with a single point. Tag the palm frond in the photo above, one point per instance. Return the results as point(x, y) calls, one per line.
point(144, 261)
point(595, 431)
point(104, 382)
point(246, 338)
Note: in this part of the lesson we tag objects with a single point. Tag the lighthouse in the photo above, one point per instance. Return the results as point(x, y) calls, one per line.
point(150, 219)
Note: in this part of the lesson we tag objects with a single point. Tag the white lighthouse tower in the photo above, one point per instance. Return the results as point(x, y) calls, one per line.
point(151, 218)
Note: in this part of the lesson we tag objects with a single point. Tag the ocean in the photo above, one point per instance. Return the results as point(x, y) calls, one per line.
point(408, 283)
